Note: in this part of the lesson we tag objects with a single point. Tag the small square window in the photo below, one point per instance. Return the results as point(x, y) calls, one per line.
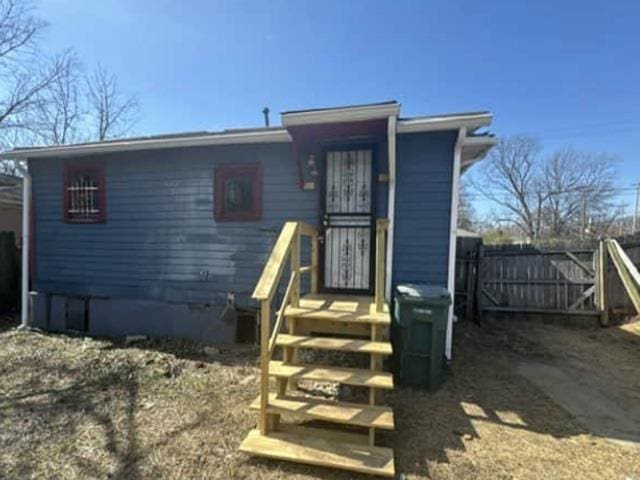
point(238, 193)
point(84, 194)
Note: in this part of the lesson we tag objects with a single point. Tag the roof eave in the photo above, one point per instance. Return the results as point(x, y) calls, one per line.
point(271, 136)
point(471, 122)
point(340, 115)
point(475, 149)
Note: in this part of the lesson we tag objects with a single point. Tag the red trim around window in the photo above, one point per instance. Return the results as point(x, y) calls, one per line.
point(224, 172)
point(98, 172)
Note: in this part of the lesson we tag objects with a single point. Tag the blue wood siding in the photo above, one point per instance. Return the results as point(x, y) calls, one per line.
point(160, 240)
point(423, 207)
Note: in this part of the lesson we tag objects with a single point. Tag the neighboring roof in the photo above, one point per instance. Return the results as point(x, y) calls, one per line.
point(461, 232)
point(10, 190)
point(469, 120)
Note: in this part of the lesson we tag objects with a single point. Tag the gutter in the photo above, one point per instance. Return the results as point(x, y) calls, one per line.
point(391, 145)
point(455, 195)
point(26, 243)
point(445, 122)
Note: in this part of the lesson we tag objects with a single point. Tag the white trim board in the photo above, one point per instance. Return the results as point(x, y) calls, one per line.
point(339, 115)
point(230, 138)
point(391, 189)
point(470, 121)
point(453, 230)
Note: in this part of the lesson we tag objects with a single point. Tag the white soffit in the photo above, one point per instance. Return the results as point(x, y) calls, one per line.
point(475, 148)
point(470, 121)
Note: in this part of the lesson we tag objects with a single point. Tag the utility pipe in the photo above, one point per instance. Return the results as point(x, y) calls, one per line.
point(391, 186)
point(26, 243)
point(455, 197)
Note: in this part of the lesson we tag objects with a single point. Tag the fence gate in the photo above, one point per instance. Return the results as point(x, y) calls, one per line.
point(525, 279)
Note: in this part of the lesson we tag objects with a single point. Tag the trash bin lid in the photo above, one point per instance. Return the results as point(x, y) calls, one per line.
point(424, 293)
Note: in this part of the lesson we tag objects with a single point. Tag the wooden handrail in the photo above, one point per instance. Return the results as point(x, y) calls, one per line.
point(287, 247)
point(382, 226)
point(266, 287)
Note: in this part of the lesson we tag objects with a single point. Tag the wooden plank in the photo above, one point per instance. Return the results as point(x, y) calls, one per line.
point(294, 299)
point(631, 268)
point(339, 344)
point(582, 298)
point(347, 376)
point(307, 326)
point(268, 281)
point(265, 324)
point(343, 308)
point(314, 263)
point(328, 434)
point(305, 448)
point(583, 266)
point(381, 227)
point(280, 317)
point(540, 310)
point(624, 276)
point(327, 410)
point(307, 230)
point(487, 294)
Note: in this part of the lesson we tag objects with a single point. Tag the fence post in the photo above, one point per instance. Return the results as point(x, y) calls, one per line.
point(602, 284)
point(479, 282)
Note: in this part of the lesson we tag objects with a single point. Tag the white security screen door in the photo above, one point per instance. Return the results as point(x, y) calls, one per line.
point(348, 221)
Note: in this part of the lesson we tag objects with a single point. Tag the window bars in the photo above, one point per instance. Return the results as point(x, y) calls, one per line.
point(83, 191)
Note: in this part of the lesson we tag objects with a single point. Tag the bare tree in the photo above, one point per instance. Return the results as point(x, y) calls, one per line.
point(510, 178)
point(580, 193)
point(466, 213)
point(568, 194)
point(25, 75)
point(57, 119)
point(112, 112)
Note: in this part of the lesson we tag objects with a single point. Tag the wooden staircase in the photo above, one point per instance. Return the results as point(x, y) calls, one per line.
point(343, 434)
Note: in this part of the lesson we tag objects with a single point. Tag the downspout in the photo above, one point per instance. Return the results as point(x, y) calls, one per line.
point(391, 144)
point(26, 243)
point(455, 195)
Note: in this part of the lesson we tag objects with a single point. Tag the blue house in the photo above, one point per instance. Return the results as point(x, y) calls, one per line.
point(157, 235)
point(303, 228)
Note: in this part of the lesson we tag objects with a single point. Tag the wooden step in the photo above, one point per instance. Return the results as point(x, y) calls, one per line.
point(343, 308)
point(328, 343)
point(336, 412)
point(347, 376)
point(305, 447)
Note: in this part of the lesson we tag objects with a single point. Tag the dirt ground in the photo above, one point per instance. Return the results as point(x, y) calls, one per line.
point(73, 407)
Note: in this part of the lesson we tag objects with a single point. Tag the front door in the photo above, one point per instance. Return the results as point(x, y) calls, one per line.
point(347, 220)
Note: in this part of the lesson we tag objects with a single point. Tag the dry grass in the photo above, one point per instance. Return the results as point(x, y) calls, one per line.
point(80, 408)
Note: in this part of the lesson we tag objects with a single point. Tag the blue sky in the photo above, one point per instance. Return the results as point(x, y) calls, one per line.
point(566, 71)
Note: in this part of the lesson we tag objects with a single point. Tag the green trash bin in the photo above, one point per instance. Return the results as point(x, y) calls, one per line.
point(418, 334)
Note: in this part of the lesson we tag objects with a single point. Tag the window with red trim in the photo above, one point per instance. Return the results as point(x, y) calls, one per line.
point(84, 194)
point(238, 193)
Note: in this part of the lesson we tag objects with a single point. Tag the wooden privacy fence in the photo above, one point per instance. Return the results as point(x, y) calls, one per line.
point(9, 272)
point(526, 279)
point(565, 281)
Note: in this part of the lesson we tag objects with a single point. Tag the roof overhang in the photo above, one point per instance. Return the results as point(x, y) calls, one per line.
point(341, 114)
point(475, 149)
point(470, 121)
point(226, 138)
